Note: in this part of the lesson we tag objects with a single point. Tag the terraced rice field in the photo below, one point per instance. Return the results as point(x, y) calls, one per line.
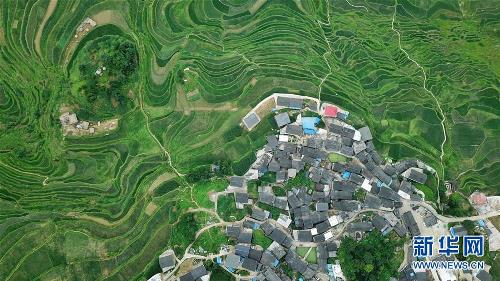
point(105, 206)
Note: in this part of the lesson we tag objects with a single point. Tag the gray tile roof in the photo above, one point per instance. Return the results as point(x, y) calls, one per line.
point(294, 129)
point(294, 103)
point(167, 260)
point(366, 134)
point(251, 120)
point(282, 119)
point(237, 181)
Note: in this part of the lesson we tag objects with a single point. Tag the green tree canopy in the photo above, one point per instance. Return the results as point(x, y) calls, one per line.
point(371, 258)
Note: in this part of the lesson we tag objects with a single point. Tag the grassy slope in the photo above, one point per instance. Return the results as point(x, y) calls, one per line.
point(97, 188)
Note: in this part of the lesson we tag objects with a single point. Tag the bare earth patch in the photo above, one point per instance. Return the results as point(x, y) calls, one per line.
point(151, 208)
point(50, 9)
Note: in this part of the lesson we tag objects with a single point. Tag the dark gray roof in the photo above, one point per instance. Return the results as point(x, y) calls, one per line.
point(356, 179)
point(295, 262)
point(251, 120)
point(271, 275)
point(167, 260)
point(281, 175)
point(297, 164)
point(430, 220)
point(237, 181)
point(241, 197)
point(250, 264)
point(338, 167)
point(267, 228)
point(400, 229)
point(333, 144)
point(294, 129)
point(267, 198)
point(274, 166)
point(194, 274)
point(388, 194)
point(360, 226)
point(348, 132)
point(293, 201)
point(245, 237)
point(247, 223)
point(278, 235)
point(232, 261)
point(410, 223)
point(366, 134)
point(417, 176)
point(379, 222)
point(344, 185)
point(347, 150)
point(347, 141)
point(255, 254)
point(267, 258)
point(389, 169)
point(484, 276)
point(346, 205)
point(278, 251)
point(341, 195)
point(372, 201)
point(233, 231)
point(281, 203)
point(272, 141)
point(282, 119)
point(354, 168)
point(259, 214)
point(314, 142)
point(322, 227)
point(242, 250)
point(304, 236)
point(289, 102)
point(334, 128)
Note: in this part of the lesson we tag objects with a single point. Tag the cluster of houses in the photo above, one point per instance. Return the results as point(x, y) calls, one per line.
point(320, 213)
point(318, 217)
point(71, 125)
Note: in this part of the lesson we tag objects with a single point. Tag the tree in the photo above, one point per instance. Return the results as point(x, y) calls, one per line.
point(372, 258)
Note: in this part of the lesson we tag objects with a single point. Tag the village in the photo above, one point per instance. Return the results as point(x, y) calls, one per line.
point(353, 197)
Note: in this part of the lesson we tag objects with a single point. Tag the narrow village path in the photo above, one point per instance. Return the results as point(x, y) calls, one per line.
point(440, 110)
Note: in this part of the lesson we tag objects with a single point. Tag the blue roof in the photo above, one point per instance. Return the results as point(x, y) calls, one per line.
point(481, 223)
point(219, 260)
point(452, 231)
point(308, 123)
point(346, 175)
point(276, 262)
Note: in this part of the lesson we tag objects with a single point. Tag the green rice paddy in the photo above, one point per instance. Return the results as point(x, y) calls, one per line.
point(105, 206)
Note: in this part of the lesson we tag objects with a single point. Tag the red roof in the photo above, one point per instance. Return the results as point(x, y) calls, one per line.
point(330, 111)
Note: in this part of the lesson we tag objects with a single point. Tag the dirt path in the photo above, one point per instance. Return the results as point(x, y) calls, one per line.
point(50, 9)
point(424, 84)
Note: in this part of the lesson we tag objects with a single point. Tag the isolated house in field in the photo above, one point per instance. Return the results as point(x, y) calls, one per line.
point(282, 119)
point(251, 120)
point(167, 260)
